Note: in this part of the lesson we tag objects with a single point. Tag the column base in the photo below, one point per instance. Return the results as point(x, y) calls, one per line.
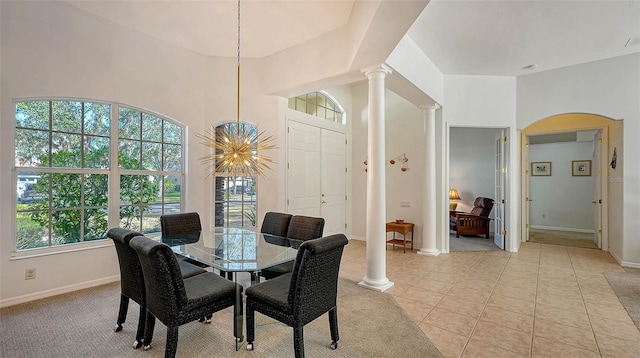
point(429, 252)
point(376, 286)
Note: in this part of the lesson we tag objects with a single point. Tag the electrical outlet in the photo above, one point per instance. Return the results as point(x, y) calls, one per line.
point(405, 204)
point(30, 273)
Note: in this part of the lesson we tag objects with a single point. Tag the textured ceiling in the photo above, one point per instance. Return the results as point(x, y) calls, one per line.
point(470, 37)
point(501, 37)
point(210, 27)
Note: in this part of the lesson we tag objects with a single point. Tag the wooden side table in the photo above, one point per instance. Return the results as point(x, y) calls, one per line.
point(403, 229)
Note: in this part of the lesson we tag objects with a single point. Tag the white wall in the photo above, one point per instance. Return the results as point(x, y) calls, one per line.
point(490, 102)
point(564, 200)
point(609, 88)
point(52, 49)
point(476, 101)
point(404, 130)
point(472, 164)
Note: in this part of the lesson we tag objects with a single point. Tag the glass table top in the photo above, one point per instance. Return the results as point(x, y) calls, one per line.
point(234, 249)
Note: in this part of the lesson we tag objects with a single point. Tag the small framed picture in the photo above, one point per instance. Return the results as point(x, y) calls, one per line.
point(581, 168)
point(541, 169)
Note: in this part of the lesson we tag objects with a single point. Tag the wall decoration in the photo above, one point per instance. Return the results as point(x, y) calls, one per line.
point(402, 158)
point(614, 159)
point(540, 169)
point(581, 168)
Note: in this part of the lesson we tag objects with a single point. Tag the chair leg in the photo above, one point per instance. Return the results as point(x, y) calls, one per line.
point(298, 342)
point(206, 319)
point(172, 342)
point(141, 326)
point(251, 327)
point(150, 323)
point(122, 313)
point(333, 325)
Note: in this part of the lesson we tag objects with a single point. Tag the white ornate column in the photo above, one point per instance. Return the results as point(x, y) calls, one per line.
point(429, 244)
point(376, 278)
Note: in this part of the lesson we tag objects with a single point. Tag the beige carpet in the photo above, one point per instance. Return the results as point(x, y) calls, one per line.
point(471, 243)
point(80, 324)
point(626, 285)
point(565, 238)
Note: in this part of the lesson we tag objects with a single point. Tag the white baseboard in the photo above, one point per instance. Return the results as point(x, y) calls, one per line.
point(560, 229)
point(630, 264)
point(624, 263)
point(57, 291)
point(359, 238)
point(616, 257)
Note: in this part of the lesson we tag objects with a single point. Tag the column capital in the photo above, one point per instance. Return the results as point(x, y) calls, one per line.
point(425, 107)
point(381, 67)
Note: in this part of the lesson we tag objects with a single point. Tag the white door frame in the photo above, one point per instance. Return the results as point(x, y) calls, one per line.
point(511, 242)
point(300, 117)
point(599, 169)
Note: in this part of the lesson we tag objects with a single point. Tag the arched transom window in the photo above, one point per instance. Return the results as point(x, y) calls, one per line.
point(318, 104)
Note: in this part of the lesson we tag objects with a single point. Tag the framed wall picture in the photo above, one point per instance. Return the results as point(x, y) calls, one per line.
point(540, 169)
point(581, 168)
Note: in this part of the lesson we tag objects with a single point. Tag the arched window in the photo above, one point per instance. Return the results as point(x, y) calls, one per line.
point(318, 104)
point(64, 151)
point(235, 197)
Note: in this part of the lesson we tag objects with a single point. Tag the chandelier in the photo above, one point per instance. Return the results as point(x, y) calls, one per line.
point(237, 149)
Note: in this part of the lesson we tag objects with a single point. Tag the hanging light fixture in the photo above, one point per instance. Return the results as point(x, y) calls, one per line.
point(237, 150)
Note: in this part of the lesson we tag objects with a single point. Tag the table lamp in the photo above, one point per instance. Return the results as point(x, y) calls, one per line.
point(453, 195)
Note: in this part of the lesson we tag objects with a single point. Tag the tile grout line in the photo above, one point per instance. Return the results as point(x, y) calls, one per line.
point(445, 294)
point(484, 307)
point(535, 301)
point(593, 332)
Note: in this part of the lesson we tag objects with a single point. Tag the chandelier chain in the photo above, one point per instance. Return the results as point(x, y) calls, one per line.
point(238, 65)
point(237, 151)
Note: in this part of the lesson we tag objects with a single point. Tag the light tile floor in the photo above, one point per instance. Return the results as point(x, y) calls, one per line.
point(543, 301)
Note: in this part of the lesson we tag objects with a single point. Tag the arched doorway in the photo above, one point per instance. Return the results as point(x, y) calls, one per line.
point(573, 169)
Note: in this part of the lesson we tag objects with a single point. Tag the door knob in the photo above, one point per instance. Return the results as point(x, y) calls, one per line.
point(594, 202)
point(324, 201)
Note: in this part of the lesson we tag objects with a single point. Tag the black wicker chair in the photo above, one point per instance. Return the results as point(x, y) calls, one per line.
point(174, 300)
point(303, 295)
point(132, 281)
point(275, 223)
point(301, 228)
point(176, 224)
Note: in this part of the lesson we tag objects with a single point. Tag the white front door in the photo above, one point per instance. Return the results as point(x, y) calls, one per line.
point(316, 175)
point(333, 181)
point(303, 169)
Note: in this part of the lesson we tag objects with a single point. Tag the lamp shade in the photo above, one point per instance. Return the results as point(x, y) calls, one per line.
point(453, 194)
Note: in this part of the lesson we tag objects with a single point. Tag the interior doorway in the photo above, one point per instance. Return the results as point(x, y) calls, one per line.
point(564, 182)
point(478, 167)
point(564, 188)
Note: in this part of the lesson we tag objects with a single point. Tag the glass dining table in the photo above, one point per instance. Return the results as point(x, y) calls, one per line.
point(231, 251)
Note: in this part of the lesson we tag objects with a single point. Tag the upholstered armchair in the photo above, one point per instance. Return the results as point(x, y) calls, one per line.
point(476, 222)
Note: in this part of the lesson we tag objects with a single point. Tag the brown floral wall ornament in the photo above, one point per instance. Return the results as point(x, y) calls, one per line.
point(402, 158)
